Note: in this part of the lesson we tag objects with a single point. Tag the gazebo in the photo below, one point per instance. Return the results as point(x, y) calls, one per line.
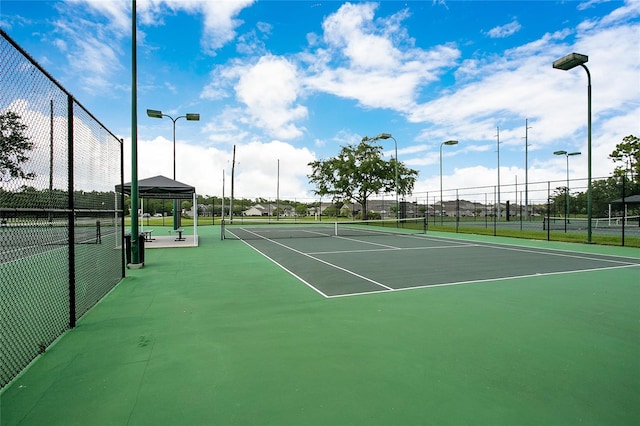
point(625, 203)
point(161, 187)
point(631, 200)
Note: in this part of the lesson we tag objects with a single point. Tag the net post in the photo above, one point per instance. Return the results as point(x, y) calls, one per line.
point(335, 228)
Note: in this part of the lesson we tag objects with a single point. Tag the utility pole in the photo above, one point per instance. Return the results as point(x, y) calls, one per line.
point(526, 169)
point(498, 137)
point(233, 169)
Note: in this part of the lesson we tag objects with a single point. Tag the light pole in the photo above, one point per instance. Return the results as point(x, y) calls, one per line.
point(498, 144)
point(526, 169)
point(388, 136)
point(135, 235)
point(451, 142)
point(566, 211)
point(566, 63)
point(190, 117)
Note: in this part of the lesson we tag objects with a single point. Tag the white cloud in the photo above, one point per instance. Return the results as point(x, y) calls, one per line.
point(220, 22)
point(371, 61)
point(221, 80)
point(590, 3)
point(117, 14)
point(506, 30)
point(89, 45)
point(350, 30)
point(269, 89)
point(60, 44)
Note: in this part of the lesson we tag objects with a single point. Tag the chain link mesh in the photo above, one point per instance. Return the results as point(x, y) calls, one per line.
point(60, 217)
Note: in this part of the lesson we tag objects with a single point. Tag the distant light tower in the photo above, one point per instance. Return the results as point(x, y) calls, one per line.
point(449, 143)
point(153, 113)
point(388, 136)
point(498, 144)
point(566, 63)
point(526, 169)
point(566, 196)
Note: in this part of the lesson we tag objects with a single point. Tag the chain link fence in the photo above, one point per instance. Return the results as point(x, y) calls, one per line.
point(60, 218)
point(552, 210)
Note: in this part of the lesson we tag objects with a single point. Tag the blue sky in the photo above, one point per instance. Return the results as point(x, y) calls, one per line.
point(293, 81)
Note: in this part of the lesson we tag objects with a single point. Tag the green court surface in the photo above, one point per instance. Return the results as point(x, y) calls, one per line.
point(468, 331)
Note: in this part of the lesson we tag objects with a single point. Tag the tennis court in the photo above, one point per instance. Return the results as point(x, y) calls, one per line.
point(21, 239)
point(371, 258)
point(220, 334)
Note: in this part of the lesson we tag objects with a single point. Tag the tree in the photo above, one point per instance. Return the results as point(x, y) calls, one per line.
point(628, 153)
point(14, 145)
point(301, 210)
point(603, 192)
point(358, 172)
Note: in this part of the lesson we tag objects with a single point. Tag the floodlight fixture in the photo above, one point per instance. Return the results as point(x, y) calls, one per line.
point(154, 113)
point(570, 61)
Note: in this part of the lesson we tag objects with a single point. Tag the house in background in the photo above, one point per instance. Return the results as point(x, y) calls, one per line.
point(269, 210)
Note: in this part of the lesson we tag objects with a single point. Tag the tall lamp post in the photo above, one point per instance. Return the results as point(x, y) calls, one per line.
point(566, 63)
point(135, 235)
point(388, 136)
point(190, 117)
point(566, 211)
point(498, 212)
point(451, 142)
point(526, 169)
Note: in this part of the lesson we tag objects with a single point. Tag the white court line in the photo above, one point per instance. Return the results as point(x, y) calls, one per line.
point(575, 256)
point(290, 272)
point(362, 277)
point(562, 253)
point(533, 249)
point(483, 281)
point(370, 243)
point(391, 249)
point(281, 266)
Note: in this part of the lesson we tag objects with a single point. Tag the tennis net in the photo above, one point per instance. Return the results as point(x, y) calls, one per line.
point(252, 229)
point(27, 233)
point(580, 223)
